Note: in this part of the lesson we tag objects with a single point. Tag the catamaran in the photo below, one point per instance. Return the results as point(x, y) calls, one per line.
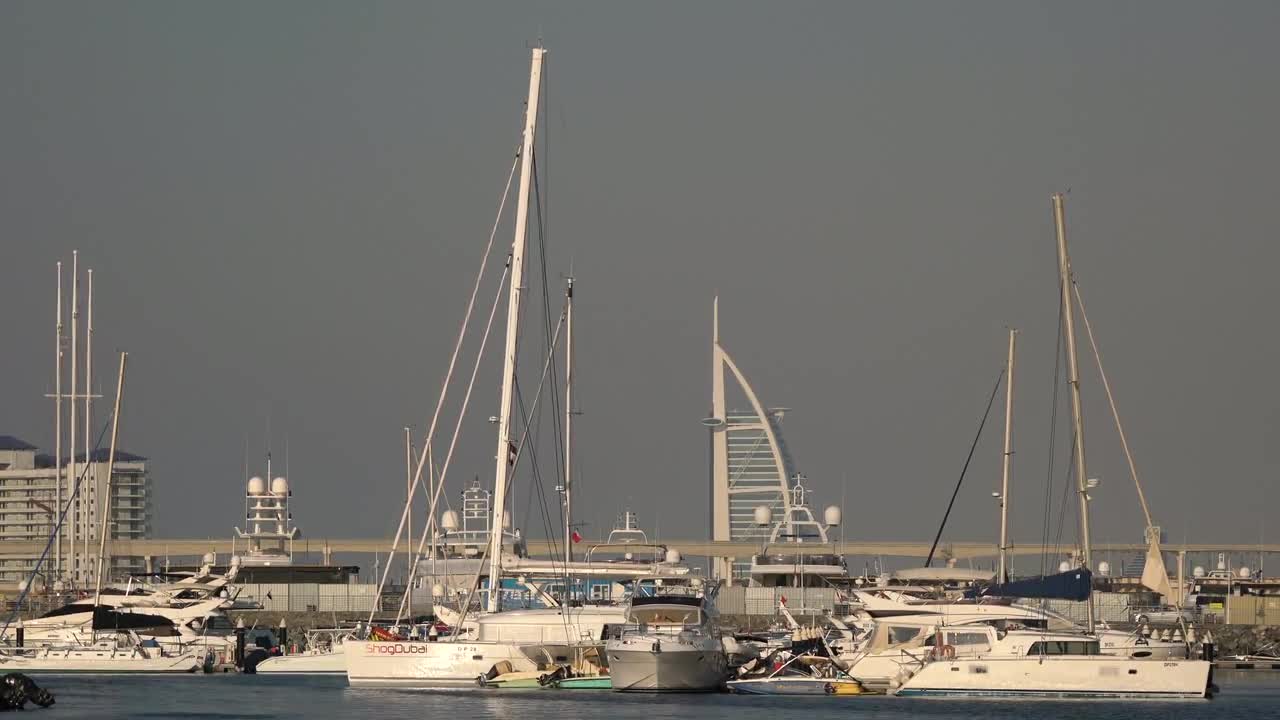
point(1023, 663)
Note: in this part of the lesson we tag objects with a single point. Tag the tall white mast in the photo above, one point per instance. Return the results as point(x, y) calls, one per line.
point(71, 461)
point(1073, 378)
point(506, 450)
point(1008, 460)
point(408, 489)
point(568, 424)
point(57, 431)
point(106, 502)
point(88, 408)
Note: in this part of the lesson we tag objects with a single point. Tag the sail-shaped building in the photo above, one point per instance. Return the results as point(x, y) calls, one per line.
point(750, 465)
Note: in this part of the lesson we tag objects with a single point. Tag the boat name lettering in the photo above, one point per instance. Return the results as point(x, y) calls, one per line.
point(385, 648)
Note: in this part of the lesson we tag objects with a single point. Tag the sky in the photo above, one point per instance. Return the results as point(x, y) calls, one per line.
point(285, 205)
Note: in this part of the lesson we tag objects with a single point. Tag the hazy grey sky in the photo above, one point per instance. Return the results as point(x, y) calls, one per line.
point(284, 203)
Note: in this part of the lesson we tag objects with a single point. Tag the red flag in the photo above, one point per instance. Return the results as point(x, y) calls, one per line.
point(784, 599)
point(576, 537)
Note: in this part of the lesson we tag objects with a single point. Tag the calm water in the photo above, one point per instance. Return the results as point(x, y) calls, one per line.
point(234, 696)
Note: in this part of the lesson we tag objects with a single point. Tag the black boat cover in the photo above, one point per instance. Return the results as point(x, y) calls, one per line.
point(105, 618)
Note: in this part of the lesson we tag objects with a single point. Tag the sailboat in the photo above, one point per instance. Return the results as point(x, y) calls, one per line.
point(505, 641)
point(1027, 663)
point(110, 647)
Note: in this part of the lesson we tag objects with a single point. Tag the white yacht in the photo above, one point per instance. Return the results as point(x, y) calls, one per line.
point(1037, 663)
point(901, 647)
point(784, 562)
point(107, 654)
point(325, 654)
point(887, 605)
point(522, 638)
point(979, 661)
point(671, 641)
point(186, 613)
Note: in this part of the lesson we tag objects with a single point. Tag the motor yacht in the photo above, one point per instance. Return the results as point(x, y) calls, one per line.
point(671, 641)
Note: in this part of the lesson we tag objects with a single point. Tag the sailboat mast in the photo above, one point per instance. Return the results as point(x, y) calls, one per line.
point(91, 471)
point(506, 449)
point(1073, 379)
point(568, 424)
point(1008, 459)
point(73, 484)
point(409, 556)
point(57, 432)
point(106, 503)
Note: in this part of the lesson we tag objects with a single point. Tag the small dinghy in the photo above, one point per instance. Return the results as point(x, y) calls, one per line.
point(806, 669)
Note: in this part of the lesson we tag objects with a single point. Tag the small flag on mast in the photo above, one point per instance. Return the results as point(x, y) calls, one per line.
point(577, 538)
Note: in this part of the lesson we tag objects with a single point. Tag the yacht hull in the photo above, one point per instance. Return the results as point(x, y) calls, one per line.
point(427, 664)
point(671, 670)
point(78, 663)
point(330, 663)
point(1096, 676)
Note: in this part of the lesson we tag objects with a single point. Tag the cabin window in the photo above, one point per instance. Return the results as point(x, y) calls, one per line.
point(900, 634)
point(967, 638)
point(1064, 647)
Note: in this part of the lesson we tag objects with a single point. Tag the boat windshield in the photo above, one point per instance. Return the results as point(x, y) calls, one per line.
point(665, 615)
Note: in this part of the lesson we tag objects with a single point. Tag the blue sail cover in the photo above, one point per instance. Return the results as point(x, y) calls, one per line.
point(1071, 585)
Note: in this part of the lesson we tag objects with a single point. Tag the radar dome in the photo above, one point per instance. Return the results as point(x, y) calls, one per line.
point(1064, 566)
point(449, 521)
point(1198, 571)
point(1104, 569)
point(673, 556)
point(1244, 572)
point(763, 515)
point(280, 486)
point(257, 485)
point(832, 515)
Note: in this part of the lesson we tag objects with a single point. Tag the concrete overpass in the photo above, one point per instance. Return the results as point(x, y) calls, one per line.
point(194, 547)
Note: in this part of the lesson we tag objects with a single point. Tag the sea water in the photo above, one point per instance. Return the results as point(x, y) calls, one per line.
point(1243, 695)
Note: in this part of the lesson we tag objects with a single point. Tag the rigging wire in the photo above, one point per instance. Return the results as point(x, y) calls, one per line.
point(62, 516)
point(990, 400)
point(557, 428)
point(1053, 444)
point(462, 333)
point(453, 441)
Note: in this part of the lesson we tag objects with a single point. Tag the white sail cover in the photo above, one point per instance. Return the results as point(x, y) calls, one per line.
point(1154, 576)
